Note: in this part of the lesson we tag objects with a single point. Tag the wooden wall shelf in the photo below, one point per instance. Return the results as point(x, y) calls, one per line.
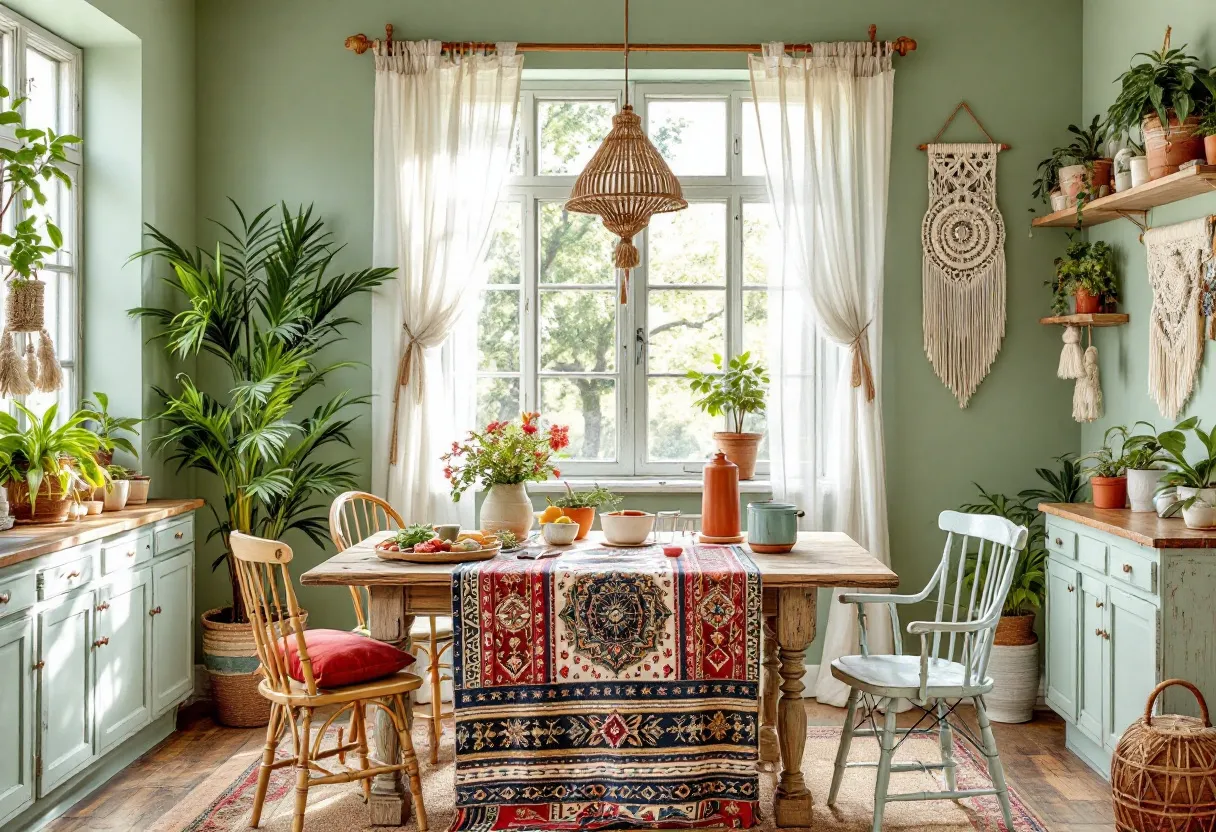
point(1094, 319)
point(1184, 184)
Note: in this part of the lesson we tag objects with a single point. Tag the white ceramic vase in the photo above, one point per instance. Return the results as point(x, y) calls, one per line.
point(1202, 513)
point(1142, 488)
point(1139, 168)
point(507, 507)
point(1014, 670)
point(116, 495)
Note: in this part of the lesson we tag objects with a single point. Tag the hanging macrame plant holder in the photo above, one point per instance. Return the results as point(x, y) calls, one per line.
point(38, 368)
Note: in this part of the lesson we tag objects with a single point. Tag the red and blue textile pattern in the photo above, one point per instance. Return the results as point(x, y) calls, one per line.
point(607, 689)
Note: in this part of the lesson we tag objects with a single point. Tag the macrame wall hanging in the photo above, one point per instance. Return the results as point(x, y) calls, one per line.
point(38, 369)
point(1178, 257)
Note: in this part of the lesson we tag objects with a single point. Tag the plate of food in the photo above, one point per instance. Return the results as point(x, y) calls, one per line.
point(420, 544)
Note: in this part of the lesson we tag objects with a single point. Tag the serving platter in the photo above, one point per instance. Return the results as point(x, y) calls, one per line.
point(484, 553)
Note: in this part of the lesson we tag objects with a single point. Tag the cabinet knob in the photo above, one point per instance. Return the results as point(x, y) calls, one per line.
point(1098, 632)
point(5, 597)
point(1059, 542)
point(1099, 604)
point(73, 575)
point(1106, 635)
point(39, 665)
point(103, 606)
point(1127, 567)
point(1072, 589)
point(178, 535)
point(155, 610)
point(102, 642)
point(131, 553)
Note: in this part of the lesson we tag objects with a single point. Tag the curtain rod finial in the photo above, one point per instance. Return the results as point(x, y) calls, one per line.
point(358, 43)
point(903, 45)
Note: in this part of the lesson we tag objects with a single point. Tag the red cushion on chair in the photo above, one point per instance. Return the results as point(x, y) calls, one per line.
point(340, 658)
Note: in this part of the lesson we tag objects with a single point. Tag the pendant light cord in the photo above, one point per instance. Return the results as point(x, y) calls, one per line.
point(626, 52)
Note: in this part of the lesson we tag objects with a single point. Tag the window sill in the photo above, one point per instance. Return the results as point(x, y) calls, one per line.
point(643, 485)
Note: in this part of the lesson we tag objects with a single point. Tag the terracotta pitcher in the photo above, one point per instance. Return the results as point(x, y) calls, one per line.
point(720, 502)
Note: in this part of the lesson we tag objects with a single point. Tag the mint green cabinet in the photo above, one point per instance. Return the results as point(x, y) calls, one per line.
point(66, 653)
point(121, 690)
point(16, 715)
point(1092, 659)
point(172, 617)
point(1131, 659)
point(1061, 661)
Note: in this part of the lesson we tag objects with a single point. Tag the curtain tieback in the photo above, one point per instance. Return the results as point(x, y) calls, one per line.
point(862, 372)
point(413, 351)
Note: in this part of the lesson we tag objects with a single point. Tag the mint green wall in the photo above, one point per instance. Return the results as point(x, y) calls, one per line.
point(1114, 31)
point(285, 113)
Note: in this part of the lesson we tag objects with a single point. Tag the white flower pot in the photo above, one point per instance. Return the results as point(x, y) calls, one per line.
point(1014, 670)
point(1139, 167)
point(507, 507)
point(116, 495)
point(1142, 487)
point(1202, 513)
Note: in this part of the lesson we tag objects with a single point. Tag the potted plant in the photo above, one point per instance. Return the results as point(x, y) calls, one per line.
point(41, 465)
point(1108, 471)
point(108, 428)
point(1085, 273)
point(733, 391)
point(117, 490)
point(141, 484)
point(1207, 129)
point(1089, 175)
point(1014, 662)
point(502, 458)
point(1194, 481)
point(266, 304)
point(1047, 186)
point(1161, 97)
point(580, 506)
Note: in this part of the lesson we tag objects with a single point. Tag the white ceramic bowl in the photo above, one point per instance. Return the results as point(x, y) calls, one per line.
point(559, 534)
point(626, 529)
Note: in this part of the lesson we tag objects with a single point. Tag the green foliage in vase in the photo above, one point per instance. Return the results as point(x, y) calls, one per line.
point(1169, 79)
point(1085, 265)
point(736, 390)
point(1184, 473)
point(42, 451)
point(596, 497)
point(108, 428)
point(266, 304)
point(1106, 461)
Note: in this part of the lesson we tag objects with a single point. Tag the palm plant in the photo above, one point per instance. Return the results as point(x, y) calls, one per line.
point(266, 304)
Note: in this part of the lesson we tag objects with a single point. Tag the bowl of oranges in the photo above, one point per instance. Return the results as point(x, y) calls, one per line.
point(557, 529)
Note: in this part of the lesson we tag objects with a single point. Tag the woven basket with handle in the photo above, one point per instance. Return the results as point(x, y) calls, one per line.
point(1163, 774)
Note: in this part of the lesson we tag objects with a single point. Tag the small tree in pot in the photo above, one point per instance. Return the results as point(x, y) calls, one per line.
point(733, 391)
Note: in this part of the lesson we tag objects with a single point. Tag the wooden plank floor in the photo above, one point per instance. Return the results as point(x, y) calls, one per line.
point(1063, 791)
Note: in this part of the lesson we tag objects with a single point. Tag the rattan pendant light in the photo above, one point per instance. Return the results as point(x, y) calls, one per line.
point(626, 182)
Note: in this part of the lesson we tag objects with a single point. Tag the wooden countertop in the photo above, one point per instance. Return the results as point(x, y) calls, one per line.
point(1143, 527)
point(44, 539)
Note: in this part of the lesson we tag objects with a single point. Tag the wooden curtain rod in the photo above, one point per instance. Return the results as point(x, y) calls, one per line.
point(361, 43)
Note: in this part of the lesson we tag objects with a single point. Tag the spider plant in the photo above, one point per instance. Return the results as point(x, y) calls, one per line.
point(266, 304)
point(44, 455)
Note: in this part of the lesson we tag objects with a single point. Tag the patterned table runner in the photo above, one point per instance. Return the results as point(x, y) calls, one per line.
point(607, 688)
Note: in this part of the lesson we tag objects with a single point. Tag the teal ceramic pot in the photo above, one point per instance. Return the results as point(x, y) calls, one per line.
point(772, 528)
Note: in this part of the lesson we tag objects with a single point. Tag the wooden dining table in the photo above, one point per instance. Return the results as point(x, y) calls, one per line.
point(399, 591)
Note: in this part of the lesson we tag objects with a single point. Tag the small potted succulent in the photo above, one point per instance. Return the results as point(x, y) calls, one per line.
point(1194, 480)
point(735, 391)
point(1085, 273)
point(1108, 472)
point(580, 506)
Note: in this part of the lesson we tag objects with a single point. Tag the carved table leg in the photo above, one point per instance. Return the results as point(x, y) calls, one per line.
point(390, 801)
point(795, 630)
point(769, 684)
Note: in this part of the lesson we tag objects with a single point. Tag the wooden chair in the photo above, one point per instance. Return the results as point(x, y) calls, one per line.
point(265, 581)
point(353, 516)
point(933, 681)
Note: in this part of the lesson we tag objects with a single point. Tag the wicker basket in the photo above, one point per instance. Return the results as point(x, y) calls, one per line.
point(231, 658)
point(1163, 774)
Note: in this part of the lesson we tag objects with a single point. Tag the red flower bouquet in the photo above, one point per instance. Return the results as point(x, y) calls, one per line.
point(505, 453)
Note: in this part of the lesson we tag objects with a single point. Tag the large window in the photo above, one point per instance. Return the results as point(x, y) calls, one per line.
point(553, 335)
point(46, 70)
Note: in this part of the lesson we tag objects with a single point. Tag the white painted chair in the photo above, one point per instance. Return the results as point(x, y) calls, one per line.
point(934, 681)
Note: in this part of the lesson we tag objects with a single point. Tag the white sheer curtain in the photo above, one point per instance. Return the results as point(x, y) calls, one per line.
point(825, 128)
point(443, 130)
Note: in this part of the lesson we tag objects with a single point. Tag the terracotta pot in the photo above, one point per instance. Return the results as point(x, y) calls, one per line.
point(1209, 149)
point(104, 458)
point(1086, 304)
point(1109, 492)
point(740, 448)
point(51, 506)
point(1100, 177)
point(231, 658)
point(138, 493)
point(583, 516)
point(507, 507)
point(1169, 151)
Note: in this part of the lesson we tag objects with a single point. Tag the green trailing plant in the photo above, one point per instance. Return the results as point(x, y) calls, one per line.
point(109, 428)
point(1169, 79)
point(736, 390)
point(1049, 175)
point(597, 497)
point(266, 304)
point(41, 452)
point(1084, 265)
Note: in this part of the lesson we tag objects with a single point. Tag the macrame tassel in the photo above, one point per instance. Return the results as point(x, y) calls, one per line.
point(31, 364)
point(626, 257)
point(1087, 395)
point(14, 381)
point(1070, 358)
point(50, 376)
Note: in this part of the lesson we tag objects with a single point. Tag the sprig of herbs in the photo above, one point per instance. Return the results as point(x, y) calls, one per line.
point(414, 534)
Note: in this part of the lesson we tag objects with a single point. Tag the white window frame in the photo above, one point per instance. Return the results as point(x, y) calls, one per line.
point(18, 33)
point(529, 189)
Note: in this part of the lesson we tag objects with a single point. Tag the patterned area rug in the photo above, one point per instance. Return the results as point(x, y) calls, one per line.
point(224, 801)
point(607, 689)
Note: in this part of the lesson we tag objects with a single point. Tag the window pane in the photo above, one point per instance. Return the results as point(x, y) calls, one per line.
point(677, 430)
point(687, 327)
point(497, 399)
point(57, 211)
point(761, 243)
point(689, 246)
point(588, 407)
point(574, 248)
point(755, 324)
point(691, 135)
point(757, 423)
point(578, 330)
point(570, 133)
point(498, 331)
point(65, 339)
point(39, 402)
point(42, 87)
point(503, 259)
point(753, 154)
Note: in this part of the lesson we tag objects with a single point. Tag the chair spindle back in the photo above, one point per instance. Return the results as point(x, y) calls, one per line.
point(353, 516)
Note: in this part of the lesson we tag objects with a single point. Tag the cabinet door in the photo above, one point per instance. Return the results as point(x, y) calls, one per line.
point(1061, 664)
point(1091, 692)
point(172, 631)
point(17, 675)
point(122, 694)
point(65, 648)
point(1131, 660)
